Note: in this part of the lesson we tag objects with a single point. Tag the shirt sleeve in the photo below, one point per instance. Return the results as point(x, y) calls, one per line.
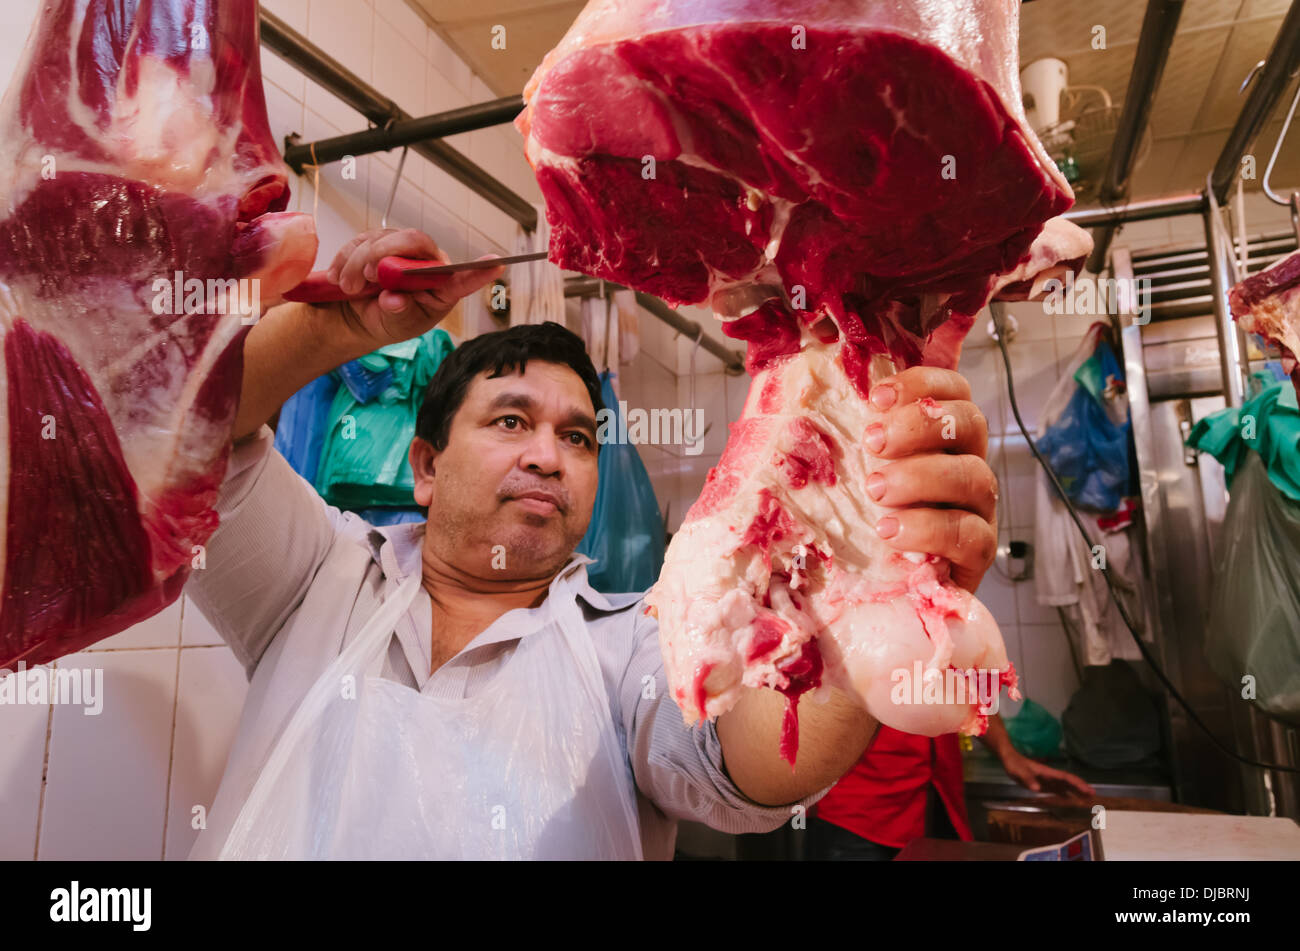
point(274, 533)
point(678, 767)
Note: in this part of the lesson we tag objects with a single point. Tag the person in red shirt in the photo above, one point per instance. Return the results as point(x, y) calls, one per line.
point(905, 787)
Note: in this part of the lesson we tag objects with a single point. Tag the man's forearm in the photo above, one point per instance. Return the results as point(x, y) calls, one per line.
point(288, 348)
point(832, 737)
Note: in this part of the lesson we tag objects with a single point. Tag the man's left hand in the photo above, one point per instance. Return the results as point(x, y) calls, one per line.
point(938, 479)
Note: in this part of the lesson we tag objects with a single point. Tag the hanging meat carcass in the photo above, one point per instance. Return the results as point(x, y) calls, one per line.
point(1268, 304)
point(142, 199)
point(869, 159)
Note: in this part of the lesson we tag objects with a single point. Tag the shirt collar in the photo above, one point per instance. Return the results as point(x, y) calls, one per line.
point(398, 550)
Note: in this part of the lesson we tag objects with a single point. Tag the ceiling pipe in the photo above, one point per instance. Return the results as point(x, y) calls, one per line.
point(1158, 28)
point(326, 72)
point(733, 361)
point(1144, 209)
point(405, 132)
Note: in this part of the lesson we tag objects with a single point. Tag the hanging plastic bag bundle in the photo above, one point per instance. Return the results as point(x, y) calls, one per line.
point(1254, 626)
point(364, 461)
point(626, 535)
point(1088, 446)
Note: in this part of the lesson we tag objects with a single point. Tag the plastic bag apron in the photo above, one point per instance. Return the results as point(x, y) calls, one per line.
point(530, 767)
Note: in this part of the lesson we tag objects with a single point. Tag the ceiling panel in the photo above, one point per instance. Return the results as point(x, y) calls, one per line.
point(1248, 44)
point(1152, 176)
point(1108, 68)
point(1199, 13)
point(461, 11)
point(1061, 27)
point(1186, 81)
point(529, 37)
point(1254, 8)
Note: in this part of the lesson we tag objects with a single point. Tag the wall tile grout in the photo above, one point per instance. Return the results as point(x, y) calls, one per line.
point(45, 772)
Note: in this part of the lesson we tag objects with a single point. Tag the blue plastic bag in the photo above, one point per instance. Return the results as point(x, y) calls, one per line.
point(1088, 451)
point(390, 516)
point(366, 378)
point(303, 424)
point(626, 534)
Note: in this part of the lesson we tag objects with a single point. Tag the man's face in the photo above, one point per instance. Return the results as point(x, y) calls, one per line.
point(518, 472)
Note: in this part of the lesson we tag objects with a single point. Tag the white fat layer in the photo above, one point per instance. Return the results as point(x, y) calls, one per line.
point(166, 134)
point(860, 609)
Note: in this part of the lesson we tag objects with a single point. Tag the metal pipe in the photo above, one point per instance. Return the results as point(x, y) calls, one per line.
point(1270, 83)
point(406, 132)
point(325, 71)
point(322, 69)
point(1158, 28)
point(1145, 209)
point(1230, 344)
point(733, 361)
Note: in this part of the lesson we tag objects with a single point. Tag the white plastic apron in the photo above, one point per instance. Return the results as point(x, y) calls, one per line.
point(530, 767)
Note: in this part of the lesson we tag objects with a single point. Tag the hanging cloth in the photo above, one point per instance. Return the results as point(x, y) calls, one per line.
point(629, 325)
point(1064, 575)
point(536, 287)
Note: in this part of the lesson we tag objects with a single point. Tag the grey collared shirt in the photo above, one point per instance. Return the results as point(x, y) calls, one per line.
point(289, 581)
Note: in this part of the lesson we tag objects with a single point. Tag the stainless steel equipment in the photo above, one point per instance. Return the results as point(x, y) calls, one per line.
point(1176, 377)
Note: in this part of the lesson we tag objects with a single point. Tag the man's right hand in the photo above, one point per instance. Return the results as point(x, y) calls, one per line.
point(395, 316)
point(293, 344)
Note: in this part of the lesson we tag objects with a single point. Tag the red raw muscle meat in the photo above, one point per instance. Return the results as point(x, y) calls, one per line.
point(136, 151)
point(1268, 304)
point(870, 158)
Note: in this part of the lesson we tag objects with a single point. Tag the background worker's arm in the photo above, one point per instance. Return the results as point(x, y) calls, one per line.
point(1027, 772)
point(293, 344)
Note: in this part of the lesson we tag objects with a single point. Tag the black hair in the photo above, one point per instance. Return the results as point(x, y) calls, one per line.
point(498, 353)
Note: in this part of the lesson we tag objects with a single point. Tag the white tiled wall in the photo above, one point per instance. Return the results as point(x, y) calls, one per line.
point(125, 784)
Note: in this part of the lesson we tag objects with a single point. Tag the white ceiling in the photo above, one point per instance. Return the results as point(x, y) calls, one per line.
point(1216, 44)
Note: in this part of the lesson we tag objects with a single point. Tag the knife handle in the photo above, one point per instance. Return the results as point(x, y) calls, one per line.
point(393, 276)
point(319, 289)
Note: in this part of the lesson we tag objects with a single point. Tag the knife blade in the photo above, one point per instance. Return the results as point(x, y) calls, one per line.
point(406, 275)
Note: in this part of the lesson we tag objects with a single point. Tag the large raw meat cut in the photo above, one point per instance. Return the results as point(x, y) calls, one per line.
point(134, 150)
point(1268, 304)
point(870, 159)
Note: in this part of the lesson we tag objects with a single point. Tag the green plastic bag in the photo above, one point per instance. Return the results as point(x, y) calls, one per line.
point(364, 460)
point(1268, 425)
point(1254, 625)
point(1034, 731)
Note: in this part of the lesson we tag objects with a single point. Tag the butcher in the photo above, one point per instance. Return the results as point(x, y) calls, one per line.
point(455, 688)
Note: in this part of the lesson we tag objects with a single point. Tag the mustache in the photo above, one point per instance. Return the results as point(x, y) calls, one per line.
point(513, 488)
